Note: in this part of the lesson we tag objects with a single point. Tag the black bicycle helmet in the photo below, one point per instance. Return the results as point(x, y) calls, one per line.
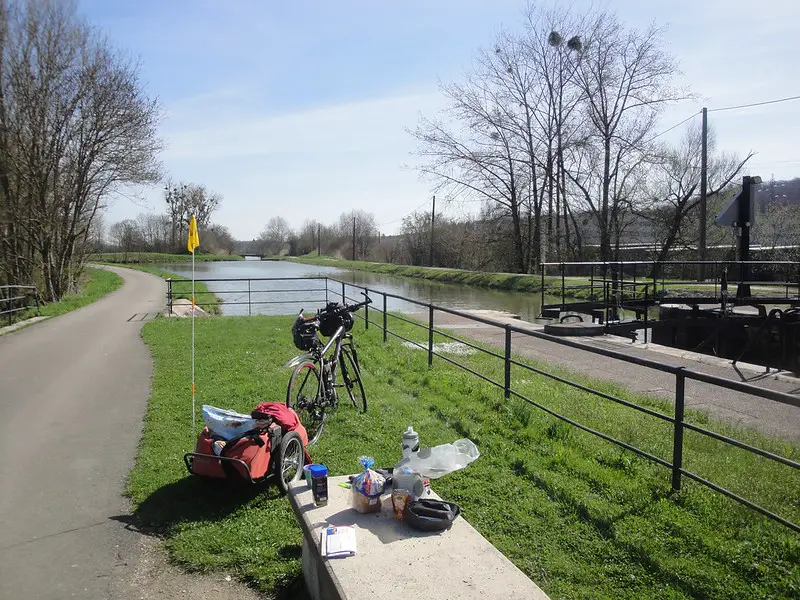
point(432, 515)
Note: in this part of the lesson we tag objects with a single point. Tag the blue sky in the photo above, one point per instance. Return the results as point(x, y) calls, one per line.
point(299, 109)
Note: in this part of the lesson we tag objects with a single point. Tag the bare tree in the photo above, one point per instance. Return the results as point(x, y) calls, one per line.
point(674, 184)
point(627, 78)
point(75, 124)
point(357, 226)
point(275, 236)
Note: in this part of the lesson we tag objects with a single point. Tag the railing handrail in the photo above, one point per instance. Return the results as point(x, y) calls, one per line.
point(609, 263)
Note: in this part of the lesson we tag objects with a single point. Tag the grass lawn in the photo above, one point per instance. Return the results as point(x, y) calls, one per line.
point(124, 258)
point(205, 299)
point(583, 518)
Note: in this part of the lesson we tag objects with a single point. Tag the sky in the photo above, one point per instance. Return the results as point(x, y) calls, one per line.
point(300, 109)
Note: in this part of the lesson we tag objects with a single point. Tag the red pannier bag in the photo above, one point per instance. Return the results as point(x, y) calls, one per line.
point(253, 449)
point(251, 452)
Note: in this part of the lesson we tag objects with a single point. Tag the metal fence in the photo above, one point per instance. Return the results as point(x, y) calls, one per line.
point(15, 299)
point(338, 290)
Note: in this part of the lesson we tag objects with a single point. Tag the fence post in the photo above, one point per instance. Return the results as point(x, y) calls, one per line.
point(36, 301)
point(430, 334)
point(343, 296)
point(384, 317)
point(591, 287)
point(541, 306)
point(366, 311)
point(249, 301)
point(563, 291)
point(646, 309)
point(169, 295)
point(326, 290)
point(507, 390)
point(677, 439)
point(9, 304)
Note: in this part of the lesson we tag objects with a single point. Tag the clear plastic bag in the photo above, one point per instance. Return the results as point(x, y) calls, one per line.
point(441, 460)
point(365, 493)
point(227, 424)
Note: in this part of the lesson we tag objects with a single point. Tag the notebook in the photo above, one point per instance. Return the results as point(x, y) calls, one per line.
point(338, 541)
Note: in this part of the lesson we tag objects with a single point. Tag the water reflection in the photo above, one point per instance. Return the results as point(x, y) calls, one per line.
point(279, 297)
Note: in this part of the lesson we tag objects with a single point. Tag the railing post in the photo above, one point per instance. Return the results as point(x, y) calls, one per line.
point(677, 439)
point(507, 389)
point(384, 316)
point(36, 301)
point(563, 291)
point(343, 295)
point(326, 290)
point(646, 309)
point(430, 334)
point(169, 295)
point(541, 306)
point(366, 311)
point(591, 286)
point(249, 301)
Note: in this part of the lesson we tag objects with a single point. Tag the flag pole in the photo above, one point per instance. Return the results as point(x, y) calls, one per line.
point(192, 243)
point(193, 311)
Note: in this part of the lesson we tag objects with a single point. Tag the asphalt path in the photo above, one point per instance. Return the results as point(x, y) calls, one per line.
point(73, 392)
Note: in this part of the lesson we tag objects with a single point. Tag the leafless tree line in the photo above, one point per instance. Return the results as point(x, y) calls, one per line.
point(354, 235)
point(75, 124)
point(167, 232)
point(554, 133)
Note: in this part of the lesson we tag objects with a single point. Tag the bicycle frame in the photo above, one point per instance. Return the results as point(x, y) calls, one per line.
point(319, 355)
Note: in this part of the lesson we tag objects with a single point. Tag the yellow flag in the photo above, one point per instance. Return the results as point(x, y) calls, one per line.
point(194, 239)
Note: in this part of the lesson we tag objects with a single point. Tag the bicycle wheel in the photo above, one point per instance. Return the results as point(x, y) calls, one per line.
point(303, 396)
point(351, 375)
point(290, 461)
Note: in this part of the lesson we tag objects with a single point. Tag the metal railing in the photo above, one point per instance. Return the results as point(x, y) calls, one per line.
point(15, 299)
point(337, 290)
point(681, 374)
point(258, 292)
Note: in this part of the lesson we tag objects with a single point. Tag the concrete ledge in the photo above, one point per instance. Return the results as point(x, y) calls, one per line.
point(393, 559)
point(21, 325)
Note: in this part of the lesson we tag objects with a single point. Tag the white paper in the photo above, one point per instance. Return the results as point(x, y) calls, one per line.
point(338, 541)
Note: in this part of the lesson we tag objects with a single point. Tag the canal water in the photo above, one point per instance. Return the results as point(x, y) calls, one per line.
point(288, 296)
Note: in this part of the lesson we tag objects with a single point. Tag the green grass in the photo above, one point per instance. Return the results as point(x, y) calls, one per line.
point(94, 284)
point(206, 299)
point(125, 258)
point(581, 517)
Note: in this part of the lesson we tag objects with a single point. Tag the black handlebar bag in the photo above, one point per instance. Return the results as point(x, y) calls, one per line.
point(332, 317)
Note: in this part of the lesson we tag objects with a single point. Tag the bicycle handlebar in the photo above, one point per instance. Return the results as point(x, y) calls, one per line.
point(350, 308)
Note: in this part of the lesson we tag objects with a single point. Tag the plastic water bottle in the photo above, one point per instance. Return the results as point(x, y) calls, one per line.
point(410, 442)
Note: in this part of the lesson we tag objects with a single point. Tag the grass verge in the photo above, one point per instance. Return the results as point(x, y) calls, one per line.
point(205, 298)
point(94, 284)
point(581, 517)
point(125, 258)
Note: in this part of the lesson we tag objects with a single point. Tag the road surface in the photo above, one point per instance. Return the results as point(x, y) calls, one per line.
point(73, 392)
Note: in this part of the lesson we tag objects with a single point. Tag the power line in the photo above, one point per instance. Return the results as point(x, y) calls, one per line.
point(404, 216)
point(788, 99)
point(692, 116)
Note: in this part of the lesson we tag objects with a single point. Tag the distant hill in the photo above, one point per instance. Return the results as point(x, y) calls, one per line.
point(782, 192)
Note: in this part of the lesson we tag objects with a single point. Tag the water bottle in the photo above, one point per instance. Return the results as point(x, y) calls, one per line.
point(410, 442)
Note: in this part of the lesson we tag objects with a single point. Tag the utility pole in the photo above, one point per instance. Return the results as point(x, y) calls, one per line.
point(319, 241)
point(433, 218)
point(701, 271)
point(354, 236)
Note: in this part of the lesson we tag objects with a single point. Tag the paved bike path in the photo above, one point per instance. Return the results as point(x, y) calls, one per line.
point(73, 391)
point(736, 408)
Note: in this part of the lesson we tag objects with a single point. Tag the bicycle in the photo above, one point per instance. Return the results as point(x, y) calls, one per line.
point(313, 384)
